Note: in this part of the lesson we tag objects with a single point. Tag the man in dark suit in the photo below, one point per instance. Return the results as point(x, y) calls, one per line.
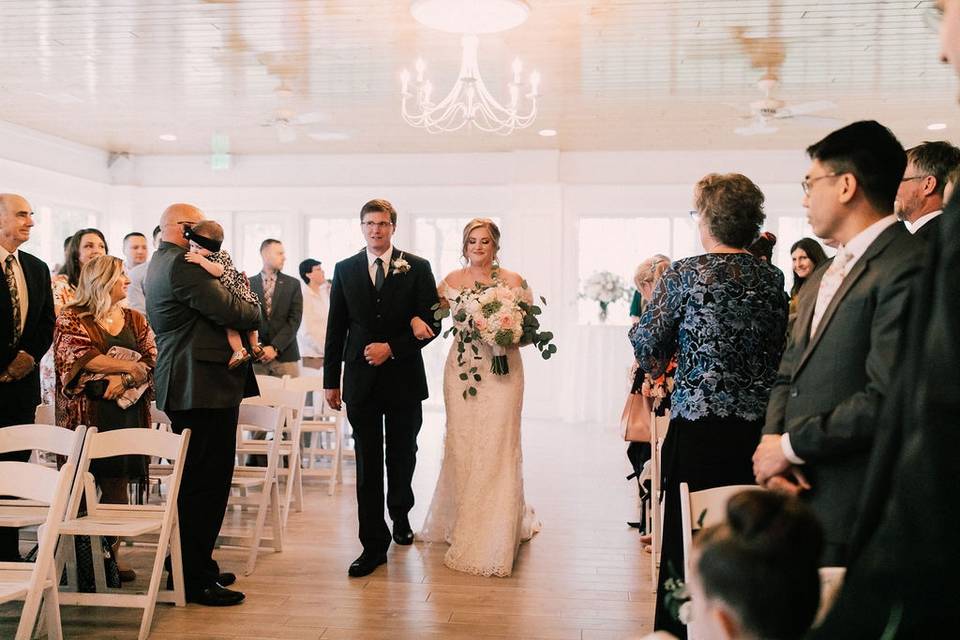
point(836, 370)
point(920, 196)
point(26, 331)
point(280, 313)
point(375, 295)
point(901, 582)
point(188, 310)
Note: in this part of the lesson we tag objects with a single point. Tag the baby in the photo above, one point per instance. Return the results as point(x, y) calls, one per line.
point(205, 239)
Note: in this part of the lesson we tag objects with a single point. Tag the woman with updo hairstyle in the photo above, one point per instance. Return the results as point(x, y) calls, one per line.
point(478, 507)
point(723, 315)
point(756, 575)
point(644, 278)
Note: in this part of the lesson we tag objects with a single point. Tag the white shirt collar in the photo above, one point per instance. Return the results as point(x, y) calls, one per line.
point(372, 257)
point(914, 226)
point(859, 244)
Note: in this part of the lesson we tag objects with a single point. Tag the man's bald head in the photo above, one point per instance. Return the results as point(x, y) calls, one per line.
point(16, 219)
point(173, 219)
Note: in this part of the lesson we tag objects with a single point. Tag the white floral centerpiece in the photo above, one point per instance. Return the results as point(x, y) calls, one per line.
point(605, 288)
point(498, 317)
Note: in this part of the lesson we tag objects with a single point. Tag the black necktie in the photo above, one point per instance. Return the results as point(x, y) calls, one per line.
point(378, 279)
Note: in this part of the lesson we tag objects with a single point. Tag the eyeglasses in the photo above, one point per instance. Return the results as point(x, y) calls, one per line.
point(807, 183)
point(370, 225)
point(913, 178)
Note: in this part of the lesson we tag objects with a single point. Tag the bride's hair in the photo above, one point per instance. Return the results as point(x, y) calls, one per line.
point(482, 223)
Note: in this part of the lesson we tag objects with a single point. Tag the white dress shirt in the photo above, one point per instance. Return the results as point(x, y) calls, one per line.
point(371, 259)
point(136, 298)
point(856, 247)
point(22, 293)
point(312, 333)
point(914, 226)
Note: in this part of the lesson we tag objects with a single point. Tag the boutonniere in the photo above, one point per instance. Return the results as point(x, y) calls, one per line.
point(400, 265)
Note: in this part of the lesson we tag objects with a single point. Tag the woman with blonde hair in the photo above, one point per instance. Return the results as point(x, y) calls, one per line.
point(104, 354)
point(478, 507)
point(645, 278)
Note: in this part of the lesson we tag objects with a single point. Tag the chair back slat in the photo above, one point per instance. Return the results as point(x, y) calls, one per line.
point(135, 441)
point(260, 417)
point(28, 481)
point(39, 437)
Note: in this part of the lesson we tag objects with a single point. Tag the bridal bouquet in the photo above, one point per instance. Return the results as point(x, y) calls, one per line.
point(498, 317)
point(604, 288)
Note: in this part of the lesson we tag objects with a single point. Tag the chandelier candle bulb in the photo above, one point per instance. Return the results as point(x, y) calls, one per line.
point(535, 83)
point(405, 80)
point(517, 70)
point(421, 67)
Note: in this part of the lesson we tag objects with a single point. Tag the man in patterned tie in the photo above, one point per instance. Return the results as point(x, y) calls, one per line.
point(280, 313)
point(834, 375)
point(26, 331)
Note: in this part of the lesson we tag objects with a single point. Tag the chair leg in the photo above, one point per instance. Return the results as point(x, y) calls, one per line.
point(176, 563)
point(51, 617)
point(151, 596)
point(298, 495)
point(277, 523)
point(258, 525)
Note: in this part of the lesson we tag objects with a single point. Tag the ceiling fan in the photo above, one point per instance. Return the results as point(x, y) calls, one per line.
point(285, 123)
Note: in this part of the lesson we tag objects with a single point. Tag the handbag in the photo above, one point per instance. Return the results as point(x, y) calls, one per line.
point(635, 418)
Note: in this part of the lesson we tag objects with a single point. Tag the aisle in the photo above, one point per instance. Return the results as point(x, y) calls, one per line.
point(582, 578)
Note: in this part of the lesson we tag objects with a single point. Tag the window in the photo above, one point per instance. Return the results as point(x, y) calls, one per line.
point(618, 245)
point(52, 225)
point(330, 240)
point(247, 243)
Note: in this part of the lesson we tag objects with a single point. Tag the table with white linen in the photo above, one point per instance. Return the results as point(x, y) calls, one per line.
point(597, 374)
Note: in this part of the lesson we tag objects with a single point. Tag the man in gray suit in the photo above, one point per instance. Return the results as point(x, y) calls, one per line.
point(836, 370)
point(280, 314)
point(188, 310)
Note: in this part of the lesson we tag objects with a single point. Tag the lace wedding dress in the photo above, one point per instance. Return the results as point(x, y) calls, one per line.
point(478, 506)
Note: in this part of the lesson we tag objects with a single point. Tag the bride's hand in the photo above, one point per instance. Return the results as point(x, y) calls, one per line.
point(421, 330)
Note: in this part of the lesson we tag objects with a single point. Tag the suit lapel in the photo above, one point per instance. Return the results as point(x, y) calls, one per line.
point(33, 292)
point(849, 281)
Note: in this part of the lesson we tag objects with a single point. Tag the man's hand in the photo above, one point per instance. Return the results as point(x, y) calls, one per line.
point(269, 354)
point(22, 364)
point(768, 459)
point(333, 399)
point(377, 353)
point(115, 387)
point(792, 483)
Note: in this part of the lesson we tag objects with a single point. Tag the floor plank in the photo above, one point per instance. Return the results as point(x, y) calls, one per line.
point(584, 577)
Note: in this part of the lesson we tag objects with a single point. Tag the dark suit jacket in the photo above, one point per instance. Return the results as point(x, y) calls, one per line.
point(360, 315)
point(928, 230)
point(830, 388)
point(189, 311)
point(37, 336)
point(286, 311)
point(904, 564)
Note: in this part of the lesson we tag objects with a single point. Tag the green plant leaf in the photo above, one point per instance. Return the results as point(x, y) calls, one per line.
point(543, 300)
point(463, 376)
point(546, 355)
point(476, 377)
point(472, 391)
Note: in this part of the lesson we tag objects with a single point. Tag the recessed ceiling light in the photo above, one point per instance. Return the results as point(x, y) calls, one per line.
point(548, 133)
point(168, 137)
point(328, 136)
point(937, 126)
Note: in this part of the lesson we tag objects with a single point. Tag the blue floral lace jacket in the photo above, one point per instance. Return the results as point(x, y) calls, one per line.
point(725, 318)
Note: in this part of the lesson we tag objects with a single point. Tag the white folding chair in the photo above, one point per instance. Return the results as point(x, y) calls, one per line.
point(264, 479)
point(292, 403)
point(158, 523)
point(698, 510)
point(36, 438)
point(324, 428)
point(32, 581)
point(658, 431)
point(269, 383)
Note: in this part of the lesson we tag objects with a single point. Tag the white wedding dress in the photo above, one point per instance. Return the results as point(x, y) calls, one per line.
point(478, 506)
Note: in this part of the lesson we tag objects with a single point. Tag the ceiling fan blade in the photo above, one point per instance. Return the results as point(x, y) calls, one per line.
point(309, 118)
point(793, 110)
point(758, 128)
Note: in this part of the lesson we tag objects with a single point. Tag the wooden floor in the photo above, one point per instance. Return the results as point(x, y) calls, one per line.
point(583, 577)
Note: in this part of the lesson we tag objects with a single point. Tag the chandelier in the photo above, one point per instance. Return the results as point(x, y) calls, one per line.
point(469, 102)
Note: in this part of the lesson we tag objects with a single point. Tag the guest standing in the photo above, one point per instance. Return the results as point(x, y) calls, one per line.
point(135, 250)
point(26, 331)
point(724, 315)
point(84, 246)
point(95, 385)
point(837, 369)
point(135, 299)
point(280, 313)
point(189, 309)
point(316, 306)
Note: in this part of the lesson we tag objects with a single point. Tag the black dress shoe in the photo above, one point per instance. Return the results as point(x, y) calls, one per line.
point(225, 579)
point(366, 564)
point(402, 533)
point(216, 596)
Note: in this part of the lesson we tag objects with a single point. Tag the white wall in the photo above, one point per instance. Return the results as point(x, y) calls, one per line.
point(539, 196)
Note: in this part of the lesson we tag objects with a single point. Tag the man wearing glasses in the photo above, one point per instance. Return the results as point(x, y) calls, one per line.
point(920, 197)
point(375, 296)
point(902, 579)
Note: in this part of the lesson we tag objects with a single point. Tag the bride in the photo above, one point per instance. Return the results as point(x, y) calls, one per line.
point(478, 506)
